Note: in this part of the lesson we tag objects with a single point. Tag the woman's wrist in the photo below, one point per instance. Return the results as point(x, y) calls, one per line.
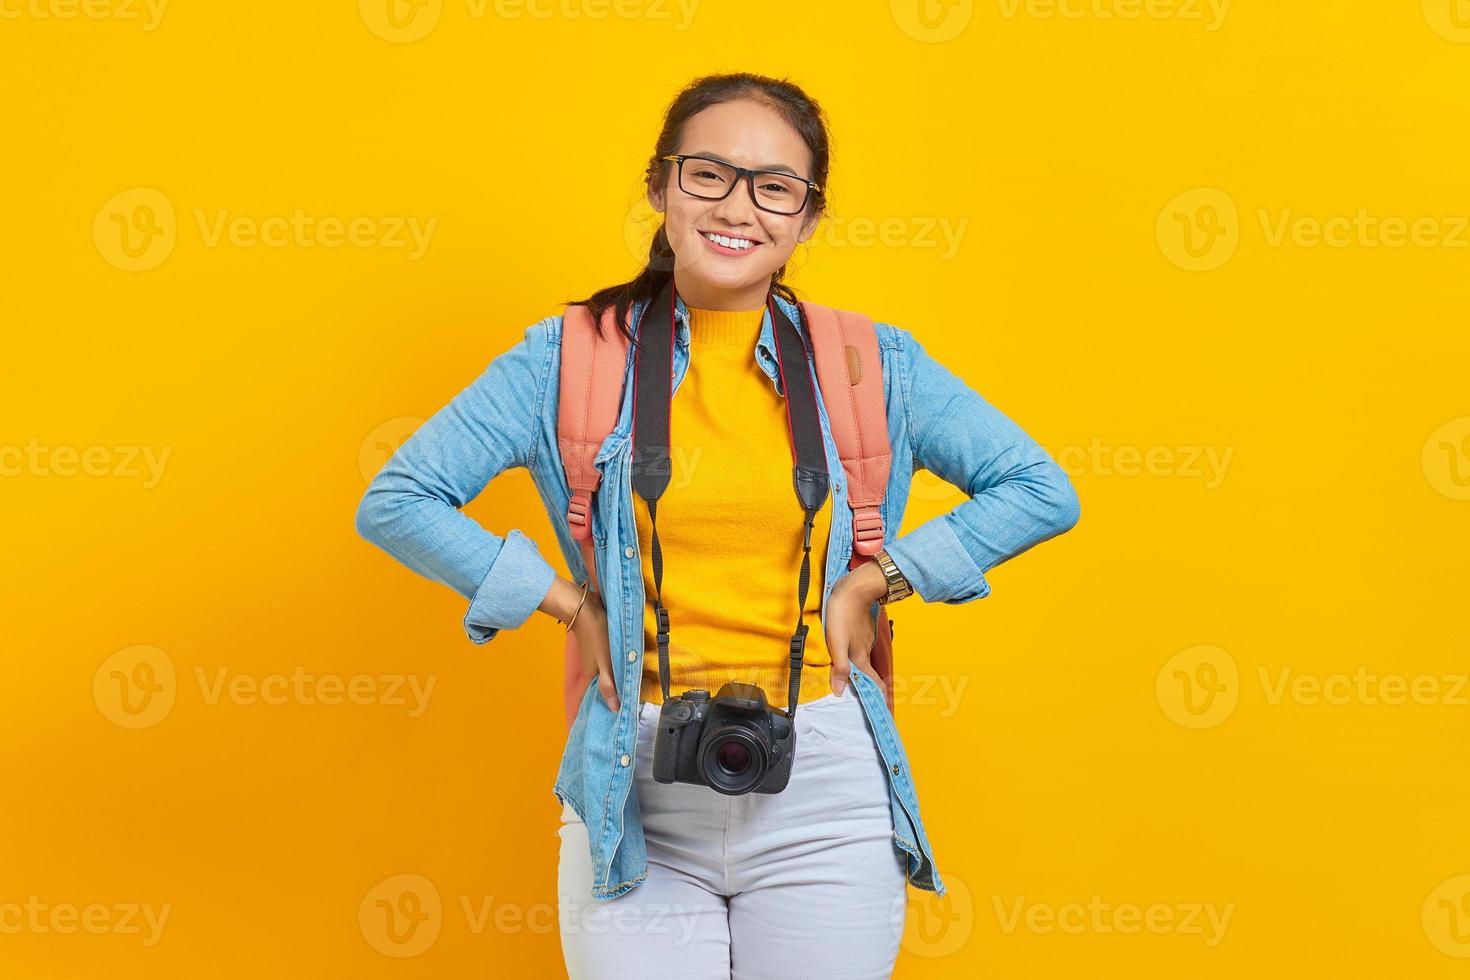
point(561, 600)
point(868, 582)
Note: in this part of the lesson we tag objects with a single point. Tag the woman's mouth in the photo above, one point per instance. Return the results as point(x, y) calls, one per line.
point(729, 244)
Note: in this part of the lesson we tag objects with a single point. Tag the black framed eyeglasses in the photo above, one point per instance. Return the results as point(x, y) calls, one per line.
point(770, 190)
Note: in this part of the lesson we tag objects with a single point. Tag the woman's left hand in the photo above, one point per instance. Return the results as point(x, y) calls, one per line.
point(850, 631)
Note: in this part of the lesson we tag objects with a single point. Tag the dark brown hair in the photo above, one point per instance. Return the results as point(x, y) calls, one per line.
point(794, 105)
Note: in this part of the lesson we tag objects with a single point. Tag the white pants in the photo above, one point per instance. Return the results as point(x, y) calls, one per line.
point(806, 882)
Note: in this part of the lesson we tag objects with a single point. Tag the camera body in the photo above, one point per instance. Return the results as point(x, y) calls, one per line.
point(734, 743)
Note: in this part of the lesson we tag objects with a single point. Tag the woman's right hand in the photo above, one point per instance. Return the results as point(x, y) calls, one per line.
point(591, 632)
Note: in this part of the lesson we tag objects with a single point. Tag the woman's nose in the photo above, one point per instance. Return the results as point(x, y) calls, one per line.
point(737, 207)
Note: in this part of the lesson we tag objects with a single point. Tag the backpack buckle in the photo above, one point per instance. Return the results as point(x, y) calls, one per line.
point(867, 530)
point(579, 516)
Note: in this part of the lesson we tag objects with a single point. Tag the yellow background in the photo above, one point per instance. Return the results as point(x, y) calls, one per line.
point(1075, 759)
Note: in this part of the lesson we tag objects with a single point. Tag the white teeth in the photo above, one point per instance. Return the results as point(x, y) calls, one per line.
point(729, 242)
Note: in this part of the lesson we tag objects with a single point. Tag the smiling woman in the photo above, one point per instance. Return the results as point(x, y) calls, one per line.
point(782, 840)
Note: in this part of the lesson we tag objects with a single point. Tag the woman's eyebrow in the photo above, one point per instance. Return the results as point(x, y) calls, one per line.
point(769, 166)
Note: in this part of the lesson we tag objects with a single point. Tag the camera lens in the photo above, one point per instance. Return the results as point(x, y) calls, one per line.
point(733, 758)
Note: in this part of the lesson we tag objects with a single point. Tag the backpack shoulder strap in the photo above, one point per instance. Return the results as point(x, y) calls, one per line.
point(850, 375)
point(592, 371)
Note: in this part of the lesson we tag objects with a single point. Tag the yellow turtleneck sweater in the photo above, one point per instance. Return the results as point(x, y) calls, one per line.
point(730, 528)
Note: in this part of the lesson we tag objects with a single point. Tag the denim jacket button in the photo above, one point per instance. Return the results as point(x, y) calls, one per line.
point(624, 760)
point(628, 551)
point(895, 768)
point(632, 655)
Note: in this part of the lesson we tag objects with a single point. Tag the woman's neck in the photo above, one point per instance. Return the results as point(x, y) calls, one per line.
point(705, 297)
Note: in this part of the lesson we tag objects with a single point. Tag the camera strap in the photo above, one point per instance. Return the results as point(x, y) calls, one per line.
point(653, 381)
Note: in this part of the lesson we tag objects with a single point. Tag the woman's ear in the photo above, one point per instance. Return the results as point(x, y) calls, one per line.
point(655, 197)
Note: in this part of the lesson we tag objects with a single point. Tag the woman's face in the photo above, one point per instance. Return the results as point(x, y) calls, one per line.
point(709, 275)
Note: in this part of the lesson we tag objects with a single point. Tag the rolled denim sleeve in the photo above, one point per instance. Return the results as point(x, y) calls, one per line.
point(412, 507)
point(1019, 496)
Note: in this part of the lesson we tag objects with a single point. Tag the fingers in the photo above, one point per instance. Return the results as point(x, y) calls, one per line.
point(849, 651)
point(592, 643)
point(845, 657)
point(841, 663)
point(605, 684)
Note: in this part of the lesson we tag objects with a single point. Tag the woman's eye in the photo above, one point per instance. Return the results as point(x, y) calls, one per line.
point(706, 175)
point(775, 189)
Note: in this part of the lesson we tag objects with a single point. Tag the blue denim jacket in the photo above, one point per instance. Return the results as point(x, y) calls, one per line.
point(507, 417)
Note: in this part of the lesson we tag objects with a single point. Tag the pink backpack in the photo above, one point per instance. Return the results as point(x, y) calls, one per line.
point(850, 377)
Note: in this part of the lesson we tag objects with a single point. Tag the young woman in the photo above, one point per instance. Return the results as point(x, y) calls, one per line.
point(676, 879)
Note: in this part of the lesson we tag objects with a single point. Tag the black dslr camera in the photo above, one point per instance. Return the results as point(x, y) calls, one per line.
point(735, 744)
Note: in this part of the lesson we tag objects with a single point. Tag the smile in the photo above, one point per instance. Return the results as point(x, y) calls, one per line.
point(727, 244)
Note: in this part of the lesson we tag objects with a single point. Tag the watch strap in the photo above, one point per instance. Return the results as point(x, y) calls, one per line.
point(898, 586)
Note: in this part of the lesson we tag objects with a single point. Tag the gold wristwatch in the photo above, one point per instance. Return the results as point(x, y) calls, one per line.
point(898, 586)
